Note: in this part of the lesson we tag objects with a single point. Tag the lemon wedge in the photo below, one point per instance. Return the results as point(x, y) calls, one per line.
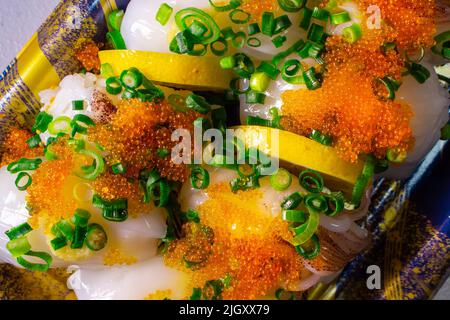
point(297, 153)
point(183, 71)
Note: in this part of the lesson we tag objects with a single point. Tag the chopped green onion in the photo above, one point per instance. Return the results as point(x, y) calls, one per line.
point(316, 33)
point(253, 97)
point(259, 82)
point(292, 201)
point(23, 164)
point(292, 5)
point(320, 14)
point(305, 231)
point(281, 180)
point(244, 184)
point(228, 62)
point(115, 19)
point(253, 29)
point(81, 218)
point(258, 121)
point(34, 141)
point(113, 85)
point(63, 229)
point(253, 42)
point(199, 178)
point(352, 34)
point(18, 247)
point(305, 18)
point(116, 40)
point(386, 85)
point(239, 39)
point(78, 105)
point(118, 168)
point(106, 70)
point(159, 193)
point(116, 210)
point(192, 215)
point(316, 202)
point(196, 294)
point(227, 33)
point(198, 29)
point(198, 103)
point(268, 23)
point(216, 49)
point(282, 294)
point(419, 72)
point(442, 42)
point(269, 69)
point(78, 237)
point(43, 119)
point(58, 243)
point(99, 165)
point(131, 78)
point(60, 125)
point(319, 137)
point(445, 132)
point(309, 255)
point(163, 14)
point(290, 72)
point(295, 216)
point(395, 156)
point(233, 4)
point(183, 42)
point(213, 290)
point(282, 23)
point(279, 41)
point(363, 180)
point(311, 49)
point(244, 66)
point(80, 124)
point(163, 152)
point(283, 55)
point(340, 18)
point(19, 231)
point(36, 266)
point(96, 237)
point(335, 204)
point(184, 16)
point(239, 16)
point(312, 83)
point(19, 184)
point(311, 181)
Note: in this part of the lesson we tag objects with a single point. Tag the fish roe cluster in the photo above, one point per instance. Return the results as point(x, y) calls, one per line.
point(257, 7)
point(223, 245)
point(412, 21)
point(347, 109)
point(15, 146)
point(135, 133)
point(88, 57)
point(47, 195)
point(115, 256)
point(351, 106)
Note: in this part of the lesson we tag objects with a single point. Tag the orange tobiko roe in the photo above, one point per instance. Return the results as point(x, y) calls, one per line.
point(347, 106)
point(88, 57)
point(16, 147)
point(237, 241)
point(137, 131)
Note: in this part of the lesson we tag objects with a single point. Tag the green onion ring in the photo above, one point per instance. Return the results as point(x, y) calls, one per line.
point(253, 42)
point(309, 255)
point(20, 176)
point(43, 119)
point(99, 165)
point(305, 231)
point(233, 4)
point(237, 12)
point(316, 202)
point(96, 237)
point(18, 247)
point(311, 181)
point(281, 180)
point(282, 294)
point(219, 52)
point(187, 14)
point(290, 72)
point(199, 178)
point(335, 204)
point(292, 5)
point(36, 266)
point(296, 216)
point(18, 231)
point(292, 201)
point(238, 41)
